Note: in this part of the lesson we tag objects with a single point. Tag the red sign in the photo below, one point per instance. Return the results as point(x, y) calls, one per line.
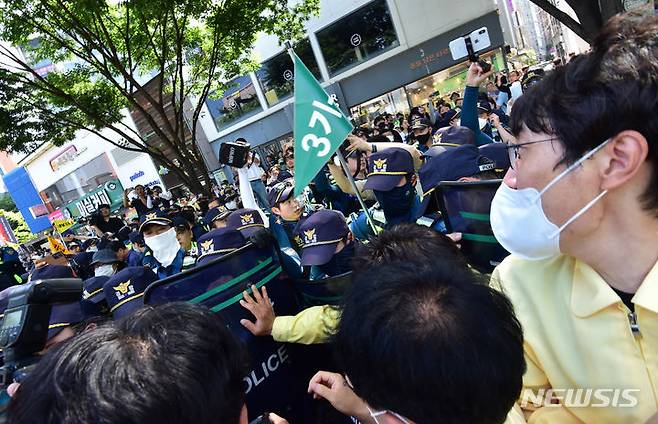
point(65, 156)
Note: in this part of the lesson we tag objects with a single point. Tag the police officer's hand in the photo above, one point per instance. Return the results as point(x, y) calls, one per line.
point(334, 388)
point(261, 308)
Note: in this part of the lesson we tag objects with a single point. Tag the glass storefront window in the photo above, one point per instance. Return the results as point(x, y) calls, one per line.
point(360, 36)
point(441, 84)
point(438, 85)
point(79, 182)
point(237, 102)
point(393, 102)
point(276, 75)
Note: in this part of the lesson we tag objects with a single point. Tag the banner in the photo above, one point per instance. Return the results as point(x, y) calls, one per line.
point(6, 233)
point(110, 193)
point(62, 225)
point(320, 126)
point(57, 246)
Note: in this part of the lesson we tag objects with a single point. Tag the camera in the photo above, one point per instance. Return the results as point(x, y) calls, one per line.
point(234, 153)
point(24, 329)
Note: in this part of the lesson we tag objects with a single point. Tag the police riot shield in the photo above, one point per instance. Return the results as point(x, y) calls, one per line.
point(325, 291)
point(465, 207)
point(272, 383)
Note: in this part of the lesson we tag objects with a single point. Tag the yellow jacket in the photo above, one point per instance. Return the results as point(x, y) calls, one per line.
point(580, 347)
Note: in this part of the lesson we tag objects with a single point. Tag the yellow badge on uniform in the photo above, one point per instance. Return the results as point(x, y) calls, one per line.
point(247, 219)
point(379, 165)
point(310, 236)
point(124, 290)
point(206, 246)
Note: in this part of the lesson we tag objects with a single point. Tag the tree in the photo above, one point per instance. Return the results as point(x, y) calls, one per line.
point(7, 203)
point(19, 226)
point(110, 46)
point(592, 14)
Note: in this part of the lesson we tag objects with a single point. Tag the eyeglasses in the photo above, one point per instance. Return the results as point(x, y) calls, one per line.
point(514, 150)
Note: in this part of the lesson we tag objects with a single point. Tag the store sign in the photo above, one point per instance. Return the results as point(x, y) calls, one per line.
point(428, 58)
point(65, 156)
point(355, 40)
point(89, 203)
point(136, 175)
point(110, 193)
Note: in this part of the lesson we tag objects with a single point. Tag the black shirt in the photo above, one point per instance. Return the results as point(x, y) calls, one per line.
point(140, 207)
point(626, 298)
point(113, 225)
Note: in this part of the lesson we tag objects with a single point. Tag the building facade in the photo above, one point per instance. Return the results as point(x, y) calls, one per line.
point(375, 55)
point(86, 171)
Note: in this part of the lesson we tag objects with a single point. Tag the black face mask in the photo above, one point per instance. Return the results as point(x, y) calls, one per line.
point(423, 138)
point(340, 263)
point(397, 204)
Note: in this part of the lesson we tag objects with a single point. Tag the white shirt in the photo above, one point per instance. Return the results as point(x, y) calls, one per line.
point(516, 90)
point(254, 172)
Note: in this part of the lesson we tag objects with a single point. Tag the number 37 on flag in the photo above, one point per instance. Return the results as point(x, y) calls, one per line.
point(312, 141)
point(320, 126)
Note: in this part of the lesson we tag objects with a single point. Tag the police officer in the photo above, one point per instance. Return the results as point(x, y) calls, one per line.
point(184, 236)
point(391, 176)
point(124, 292)
point(216, 217)
point(166, 256)
point(218, 243)
point(287, 212)
point(328, 244)
point(247, 221)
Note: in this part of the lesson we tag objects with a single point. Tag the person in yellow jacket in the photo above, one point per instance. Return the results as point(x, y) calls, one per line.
point(579, 213)
point(318, 323)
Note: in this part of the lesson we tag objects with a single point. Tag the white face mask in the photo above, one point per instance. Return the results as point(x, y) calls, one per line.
point(104, 271)
point(231, 205)
point(520, 224)
point(165, 246)
point(92, 249)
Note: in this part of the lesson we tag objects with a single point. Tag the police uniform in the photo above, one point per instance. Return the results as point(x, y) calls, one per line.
point(284, 230)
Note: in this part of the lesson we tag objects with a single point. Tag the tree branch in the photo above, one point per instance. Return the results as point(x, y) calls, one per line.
point(564, 18)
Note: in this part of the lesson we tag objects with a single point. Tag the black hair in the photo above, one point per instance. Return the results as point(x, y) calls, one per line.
point(600, 94)
point(408, 242)
point(173, 363)
point(417, 339)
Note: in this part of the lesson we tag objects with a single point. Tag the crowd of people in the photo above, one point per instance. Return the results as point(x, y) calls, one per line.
point(564, 330)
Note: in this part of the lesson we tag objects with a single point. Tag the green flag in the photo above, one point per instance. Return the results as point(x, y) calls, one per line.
point(320, 126)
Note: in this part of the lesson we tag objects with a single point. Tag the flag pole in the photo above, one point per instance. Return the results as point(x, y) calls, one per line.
point(343, 163)
point(357, 193)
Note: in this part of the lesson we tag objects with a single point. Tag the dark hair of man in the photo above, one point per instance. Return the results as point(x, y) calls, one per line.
point(407, 242)
point(600, 94)
point(417, 339)
point(486, 175)
point(174, 363)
